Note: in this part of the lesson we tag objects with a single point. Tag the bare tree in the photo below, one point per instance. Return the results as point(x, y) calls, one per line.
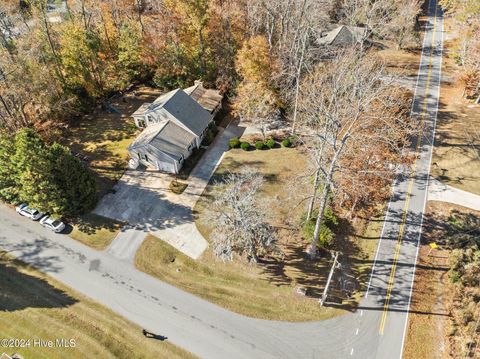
point(345, 104)
point(394, 20)
point(239, 220)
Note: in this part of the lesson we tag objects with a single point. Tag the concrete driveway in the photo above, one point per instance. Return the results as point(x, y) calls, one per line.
point(143, 199)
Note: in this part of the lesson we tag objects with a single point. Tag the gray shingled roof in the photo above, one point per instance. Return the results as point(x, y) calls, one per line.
point(342, 35)
point(188, 111)
point(173, 140)
point(166, 137)
point(182, 107)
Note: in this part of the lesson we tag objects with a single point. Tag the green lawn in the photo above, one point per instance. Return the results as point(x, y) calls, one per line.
point(95, 231)
point(33, 305)
point(104, 137)
point(266, 290)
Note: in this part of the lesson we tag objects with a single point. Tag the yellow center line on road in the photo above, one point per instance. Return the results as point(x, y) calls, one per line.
point(410, 187)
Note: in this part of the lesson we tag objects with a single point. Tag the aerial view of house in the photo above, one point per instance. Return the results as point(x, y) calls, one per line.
point(175, 124)
point(240, 179)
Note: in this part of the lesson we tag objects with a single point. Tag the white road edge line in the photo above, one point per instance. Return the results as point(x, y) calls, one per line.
point(426, 189)
point(394, 181)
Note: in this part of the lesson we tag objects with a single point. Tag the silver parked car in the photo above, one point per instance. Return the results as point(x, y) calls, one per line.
point(53, 224)
point(31, 213)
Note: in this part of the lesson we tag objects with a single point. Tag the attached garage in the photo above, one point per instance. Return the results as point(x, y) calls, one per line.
point(163, 147)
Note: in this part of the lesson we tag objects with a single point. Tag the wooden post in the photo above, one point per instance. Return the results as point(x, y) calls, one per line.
point(330, 275)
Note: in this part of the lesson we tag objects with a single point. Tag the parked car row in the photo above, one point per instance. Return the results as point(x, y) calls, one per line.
point(48, 222)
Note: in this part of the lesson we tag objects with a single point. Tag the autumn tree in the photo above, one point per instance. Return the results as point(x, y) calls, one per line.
point(256, 101)
point(240, 223)
point(466, 50)
point(346, 105)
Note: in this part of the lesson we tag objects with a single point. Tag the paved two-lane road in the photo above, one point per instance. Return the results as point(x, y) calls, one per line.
point(388, 298)
point(375, 331)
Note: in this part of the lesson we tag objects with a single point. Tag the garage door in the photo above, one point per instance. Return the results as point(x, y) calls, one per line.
point(166, 166)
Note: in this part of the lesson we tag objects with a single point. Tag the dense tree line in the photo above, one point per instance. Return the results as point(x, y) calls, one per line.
point(47, 177)
point(53, 71)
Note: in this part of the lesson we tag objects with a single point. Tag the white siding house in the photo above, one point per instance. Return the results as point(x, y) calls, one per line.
point(175, 124)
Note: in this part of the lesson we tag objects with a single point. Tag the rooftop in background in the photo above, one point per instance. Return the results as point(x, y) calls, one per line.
point(342, 35)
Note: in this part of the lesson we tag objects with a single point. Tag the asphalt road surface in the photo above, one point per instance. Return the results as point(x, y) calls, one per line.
point(376, 330)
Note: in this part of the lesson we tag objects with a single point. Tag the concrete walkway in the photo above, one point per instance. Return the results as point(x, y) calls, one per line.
point(143, 199)
point(438, 191)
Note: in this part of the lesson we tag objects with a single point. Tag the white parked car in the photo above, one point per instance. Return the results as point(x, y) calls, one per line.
point(31, 213)
point(53, 224)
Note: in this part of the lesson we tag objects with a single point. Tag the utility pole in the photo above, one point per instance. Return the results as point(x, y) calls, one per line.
point(335, 264)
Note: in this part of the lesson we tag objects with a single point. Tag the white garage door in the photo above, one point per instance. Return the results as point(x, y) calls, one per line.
point(166, 166)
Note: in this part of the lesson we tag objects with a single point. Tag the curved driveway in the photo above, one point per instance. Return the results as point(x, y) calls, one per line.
point(376, 330)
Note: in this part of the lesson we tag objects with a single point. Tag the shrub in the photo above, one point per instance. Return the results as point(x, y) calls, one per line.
point(209, 137)
point(177, 187)
point(271, 143)
point(293, 140)
point(286, 142)
point(326, 235)
point(259, 145)
point(245, 146)
point(234, 142)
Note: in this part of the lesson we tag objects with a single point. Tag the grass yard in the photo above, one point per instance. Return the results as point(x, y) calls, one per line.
point(95, 231)
point(266, 290)
point(35, 306)
point(456, 155)
point(403, 63)
point(103, 137)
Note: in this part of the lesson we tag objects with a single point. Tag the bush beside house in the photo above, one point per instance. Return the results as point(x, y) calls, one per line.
point(235, 142)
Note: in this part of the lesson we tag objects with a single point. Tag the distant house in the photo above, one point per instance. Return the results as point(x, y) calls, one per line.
point(175, 124)
point(342, 36)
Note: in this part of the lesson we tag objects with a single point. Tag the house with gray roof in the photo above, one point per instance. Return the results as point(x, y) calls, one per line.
point(175, 124)
point(341, 36)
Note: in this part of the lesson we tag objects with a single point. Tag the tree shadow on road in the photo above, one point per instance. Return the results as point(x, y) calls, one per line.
point(22, 290)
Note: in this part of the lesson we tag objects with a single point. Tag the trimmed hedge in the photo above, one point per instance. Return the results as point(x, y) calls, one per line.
point(286, 142)
point(234, 142)
point(259, 145)
point(271, 143)
point(245, 146)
